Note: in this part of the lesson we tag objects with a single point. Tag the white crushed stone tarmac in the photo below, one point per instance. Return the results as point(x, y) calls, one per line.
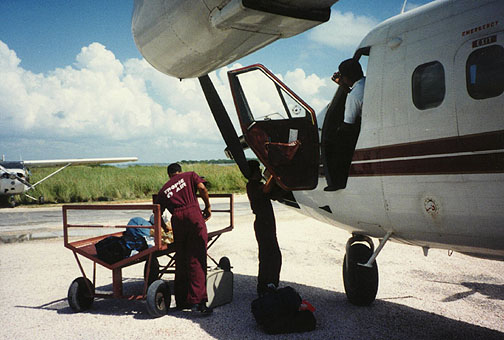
point(434, 297)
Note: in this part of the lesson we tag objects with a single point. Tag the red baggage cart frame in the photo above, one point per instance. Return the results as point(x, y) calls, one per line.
point(86, 247)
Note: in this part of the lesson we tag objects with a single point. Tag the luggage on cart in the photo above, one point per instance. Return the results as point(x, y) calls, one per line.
point(112, 249)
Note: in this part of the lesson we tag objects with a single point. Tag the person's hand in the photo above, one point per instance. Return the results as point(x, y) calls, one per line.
point(336, 77)
point(207, 213)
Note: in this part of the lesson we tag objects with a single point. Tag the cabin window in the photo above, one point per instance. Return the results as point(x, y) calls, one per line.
point(428, 85)
point(485, 72)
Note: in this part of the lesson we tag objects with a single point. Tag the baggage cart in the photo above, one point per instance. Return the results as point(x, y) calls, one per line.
point(156, 291)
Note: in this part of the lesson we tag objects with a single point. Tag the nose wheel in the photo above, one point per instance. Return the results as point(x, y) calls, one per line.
point(361, 282)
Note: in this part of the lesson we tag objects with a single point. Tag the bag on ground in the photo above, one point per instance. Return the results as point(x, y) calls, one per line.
point(278, 311)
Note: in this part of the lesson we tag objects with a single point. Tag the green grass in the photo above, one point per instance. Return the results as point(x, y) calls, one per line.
point(109, 183)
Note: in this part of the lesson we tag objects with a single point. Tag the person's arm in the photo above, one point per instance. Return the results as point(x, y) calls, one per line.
point(203, 192)
point(268, 185)
point(272, 190)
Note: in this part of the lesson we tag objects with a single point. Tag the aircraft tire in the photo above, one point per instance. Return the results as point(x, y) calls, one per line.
point(153, 272)
point(79, 296)
point(41, 200)
point(158, 298)
point(11, 201)
point(361, 283)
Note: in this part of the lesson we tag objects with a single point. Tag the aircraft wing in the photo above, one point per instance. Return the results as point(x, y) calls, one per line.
point(76, 161)
point(190, 38)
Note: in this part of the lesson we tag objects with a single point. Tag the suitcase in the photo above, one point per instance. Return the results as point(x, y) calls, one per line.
point(219, 287)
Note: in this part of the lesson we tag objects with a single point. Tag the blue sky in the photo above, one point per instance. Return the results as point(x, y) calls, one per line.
point(74, 84)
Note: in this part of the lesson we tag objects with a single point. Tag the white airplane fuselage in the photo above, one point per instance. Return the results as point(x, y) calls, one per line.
point(428, 169)
point(433, 176)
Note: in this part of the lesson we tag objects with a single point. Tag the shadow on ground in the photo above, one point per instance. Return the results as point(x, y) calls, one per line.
point(336, 317)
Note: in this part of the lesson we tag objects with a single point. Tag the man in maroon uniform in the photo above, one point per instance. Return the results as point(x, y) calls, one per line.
point(270, 257)
point(178, 195)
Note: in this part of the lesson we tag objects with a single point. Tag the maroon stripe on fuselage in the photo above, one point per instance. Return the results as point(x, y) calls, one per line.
point(469, 164)
point(470, 143)
point(491, 162)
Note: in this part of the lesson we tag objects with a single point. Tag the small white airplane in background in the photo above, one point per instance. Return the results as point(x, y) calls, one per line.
point(428, 168)
point(15, 175)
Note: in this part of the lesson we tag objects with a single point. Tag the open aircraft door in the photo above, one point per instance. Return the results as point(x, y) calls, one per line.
point(278, 126)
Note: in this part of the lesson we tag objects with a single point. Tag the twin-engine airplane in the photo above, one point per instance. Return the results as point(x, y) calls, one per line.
point(428, 167)
point(15, 176)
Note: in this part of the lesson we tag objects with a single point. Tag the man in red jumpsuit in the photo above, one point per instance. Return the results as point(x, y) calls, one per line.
point(178, 195)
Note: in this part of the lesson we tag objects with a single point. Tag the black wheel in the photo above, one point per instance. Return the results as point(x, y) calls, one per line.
point(361, 283)
point(41, 200)
point(158, 298)
point(153, 272)
point(225, 264)
point(79, 295)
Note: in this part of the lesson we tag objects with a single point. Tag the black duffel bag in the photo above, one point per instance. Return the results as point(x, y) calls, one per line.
point(278, 311)
point(112, 249)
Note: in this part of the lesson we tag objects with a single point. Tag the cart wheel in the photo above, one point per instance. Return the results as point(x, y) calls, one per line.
point(154, 271)
point(158, 298)
point(225, 264)
point(79, 296)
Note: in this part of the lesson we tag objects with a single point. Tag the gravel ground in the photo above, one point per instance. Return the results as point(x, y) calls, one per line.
point(434, 297)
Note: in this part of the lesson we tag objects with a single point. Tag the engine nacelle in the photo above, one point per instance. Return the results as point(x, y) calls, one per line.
point(190, 38)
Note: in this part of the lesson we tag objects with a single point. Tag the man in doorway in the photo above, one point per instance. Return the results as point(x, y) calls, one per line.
point(178, 195)
point(351, 79)
point(270, 257)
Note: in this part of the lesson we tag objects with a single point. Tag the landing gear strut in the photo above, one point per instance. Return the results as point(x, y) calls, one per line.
point(361, 282)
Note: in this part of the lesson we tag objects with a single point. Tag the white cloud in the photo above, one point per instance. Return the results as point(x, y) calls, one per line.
point(105, 102)
point(97, 97)
point(303, 85)
point(343, 31)
point(97, 58)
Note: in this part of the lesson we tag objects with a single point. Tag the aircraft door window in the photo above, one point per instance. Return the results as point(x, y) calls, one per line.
point(267, 100)
point(428, 85)
point(294, 109)
point(485, 72)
